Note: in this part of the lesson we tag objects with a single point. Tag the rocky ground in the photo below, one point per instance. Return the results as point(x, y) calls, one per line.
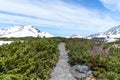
point(81, 72)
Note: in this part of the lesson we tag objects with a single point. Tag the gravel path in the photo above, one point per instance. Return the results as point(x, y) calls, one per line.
point(61, 71)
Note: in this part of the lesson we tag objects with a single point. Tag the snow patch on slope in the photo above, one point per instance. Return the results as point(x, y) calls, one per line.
point(5, 42)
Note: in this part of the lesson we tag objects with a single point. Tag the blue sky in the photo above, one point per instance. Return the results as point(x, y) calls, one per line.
point(61, 17)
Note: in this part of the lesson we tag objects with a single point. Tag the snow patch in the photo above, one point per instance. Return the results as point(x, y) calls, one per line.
point(5, 42)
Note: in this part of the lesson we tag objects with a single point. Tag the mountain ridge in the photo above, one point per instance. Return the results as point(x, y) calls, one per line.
point(114, 32)
point(23, 31)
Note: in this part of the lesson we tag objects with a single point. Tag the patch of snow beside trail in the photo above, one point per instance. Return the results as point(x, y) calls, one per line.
point(5, 42)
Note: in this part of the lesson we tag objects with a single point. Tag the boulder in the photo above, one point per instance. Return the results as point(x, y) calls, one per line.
point(80, 72)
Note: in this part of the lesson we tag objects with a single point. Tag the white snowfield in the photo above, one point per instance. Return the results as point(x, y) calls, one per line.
point(23, 31)
point(110, 38)
point(5, 42)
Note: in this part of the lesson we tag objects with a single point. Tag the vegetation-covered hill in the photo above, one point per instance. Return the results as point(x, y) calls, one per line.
point(28, 59)
point(104, 67)
point(34, 58)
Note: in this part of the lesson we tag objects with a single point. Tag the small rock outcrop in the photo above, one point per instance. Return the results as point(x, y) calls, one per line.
point(80, 72)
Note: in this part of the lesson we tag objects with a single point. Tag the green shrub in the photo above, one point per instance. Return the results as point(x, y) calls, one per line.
point(32, 58)
point(104, 67)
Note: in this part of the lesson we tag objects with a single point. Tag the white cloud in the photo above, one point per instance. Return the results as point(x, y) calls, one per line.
point(113, 5)
point(55, 13)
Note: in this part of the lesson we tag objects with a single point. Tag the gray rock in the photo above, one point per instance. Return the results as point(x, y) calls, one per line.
point(80, 71)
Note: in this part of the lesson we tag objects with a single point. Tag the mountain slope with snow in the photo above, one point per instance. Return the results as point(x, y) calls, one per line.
point(111, 33)
point(23, 31)
point(76, 36)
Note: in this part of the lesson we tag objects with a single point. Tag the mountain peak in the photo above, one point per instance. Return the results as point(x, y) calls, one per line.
point(76, 36)
point(112, 33)
point(23, 31)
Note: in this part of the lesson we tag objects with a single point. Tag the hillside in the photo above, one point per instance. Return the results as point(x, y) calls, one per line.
point(32, 59)
point(103, 60)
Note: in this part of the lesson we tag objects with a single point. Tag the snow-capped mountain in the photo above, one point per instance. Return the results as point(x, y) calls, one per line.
point(23, 31)
point(111, 33)
point(73, 36)
point(76, 36)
